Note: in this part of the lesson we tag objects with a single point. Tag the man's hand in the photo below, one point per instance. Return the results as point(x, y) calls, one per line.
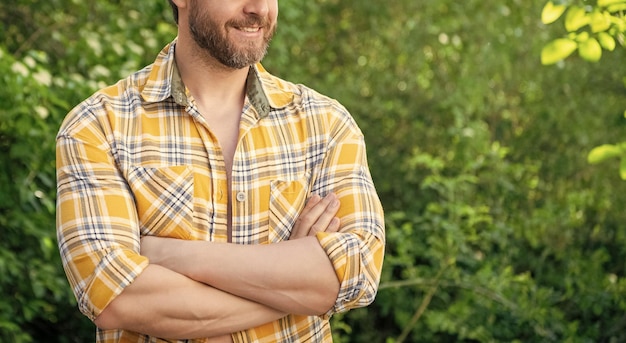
point(317, 216)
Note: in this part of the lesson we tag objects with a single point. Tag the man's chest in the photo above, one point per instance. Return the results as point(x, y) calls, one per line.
point(180, 181)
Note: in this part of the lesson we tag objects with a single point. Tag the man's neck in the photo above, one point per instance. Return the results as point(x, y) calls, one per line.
point(207, 79)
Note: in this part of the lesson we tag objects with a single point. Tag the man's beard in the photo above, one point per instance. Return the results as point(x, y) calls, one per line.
point(207, 34)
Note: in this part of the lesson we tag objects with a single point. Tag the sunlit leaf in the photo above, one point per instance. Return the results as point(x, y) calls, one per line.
point(606, 40)
point(605, 3)
point(590, 50)
point(552, 12)
point(616, 8)
point(557, 50)
point(576, 18)
point(622, 168)
point(600, 21)
point(603, 152)
point(582, 37)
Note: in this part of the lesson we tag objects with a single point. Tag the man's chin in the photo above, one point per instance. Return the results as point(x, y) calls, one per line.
point(243, 59)
point(239, 63)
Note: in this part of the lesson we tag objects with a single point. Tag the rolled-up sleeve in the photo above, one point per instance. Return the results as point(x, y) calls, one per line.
point(97, 227)
point(356, 251)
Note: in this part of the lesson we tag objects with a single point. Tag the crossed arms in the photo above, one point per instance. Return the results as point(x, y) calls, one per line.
point(247, 285)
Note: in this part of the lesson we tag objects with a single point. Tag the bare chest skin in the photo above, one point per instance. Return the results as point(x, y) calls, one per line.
point(223, 122)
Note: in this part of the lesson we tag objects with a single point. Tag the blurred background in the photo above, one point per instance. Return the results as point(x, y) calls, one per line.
point(499, 230)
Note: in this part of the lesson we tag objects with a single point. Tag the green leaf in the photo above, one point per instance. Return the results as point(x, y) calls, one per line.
point(552, 12)
point(606, 40)
point(576, 18)
point(600, 21)
point(590, 50)
point(582, 37)
point(557, 50)
point(605, 3)
point(622, 168)
point(616, 8)
point(603, 152)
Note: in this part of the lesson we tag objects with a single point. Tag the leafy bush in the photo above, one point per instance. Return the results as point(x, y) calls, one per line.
point(45, 70)
point(498, 228)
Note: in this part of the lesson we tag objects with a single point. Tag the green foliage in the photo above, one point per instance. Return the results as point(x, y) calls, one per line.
point(45, 70)
point(590, 29)
point(498, 229)
point(34, 286)
point(604, 24)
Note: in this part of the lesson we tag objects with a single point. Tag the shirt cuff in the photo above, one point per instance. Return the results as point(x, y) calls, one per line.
point(116, 271)
point(357, 261)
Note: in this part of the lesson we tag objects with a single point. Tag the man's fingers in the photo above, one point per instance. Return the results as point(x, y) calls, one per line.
point(333, 226)
point(306, 219)
point(326, 216)
point(316, 216)
point(314, 200)
point(309, 213)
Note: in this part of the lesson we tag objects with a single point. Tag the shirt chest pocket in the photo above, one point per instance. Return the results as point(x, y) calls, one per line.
point(164, 200)
point(287, 199)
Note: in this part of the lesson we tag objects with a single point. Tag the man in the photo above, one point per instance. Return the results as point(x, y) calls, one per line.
point(205, 200)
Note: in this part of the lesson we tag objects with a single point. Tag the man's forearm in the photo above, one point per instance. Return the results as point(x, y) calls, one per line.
point(166, 304)
point(292, 276)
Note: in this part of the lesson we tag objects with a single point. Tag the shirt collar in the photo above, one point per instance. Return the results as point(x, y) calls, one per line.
point(264, 91)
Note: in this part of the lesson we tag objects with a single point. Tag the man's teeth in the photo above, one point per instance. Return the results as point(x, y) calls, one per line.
point(249, 29)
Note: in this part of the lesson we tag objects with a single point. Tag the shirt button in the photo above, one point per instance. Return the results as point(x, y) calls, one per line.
point(241, 196)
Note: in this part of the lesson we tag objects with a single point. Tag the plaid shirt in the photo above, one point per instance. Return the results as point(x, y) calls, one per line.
point(137, 158)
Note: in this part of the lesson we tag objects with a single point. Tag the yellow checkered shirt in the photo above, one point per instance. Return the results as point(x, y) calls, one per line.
point(137, 158)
